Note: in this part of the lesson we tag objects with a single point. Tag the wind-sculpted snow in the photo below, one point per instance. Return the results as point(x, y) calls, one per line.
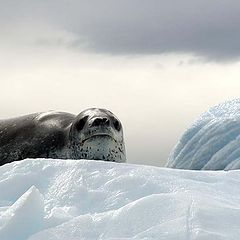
point(212, 142)
point(94, 200)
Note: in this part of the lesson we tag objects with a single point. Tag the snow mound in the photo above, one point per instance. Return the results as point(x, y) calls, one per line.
point(16, 221)
point(69, 199)
point(212, 142)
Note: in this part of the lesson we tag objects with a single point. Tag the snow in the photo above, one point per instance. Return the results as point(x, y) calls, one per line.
point(80, 199)
point(17, 223)
point(212, 142)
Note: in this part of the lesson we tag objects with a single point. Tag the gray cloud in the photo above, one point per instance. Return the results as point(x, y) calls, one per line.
point(204, 28)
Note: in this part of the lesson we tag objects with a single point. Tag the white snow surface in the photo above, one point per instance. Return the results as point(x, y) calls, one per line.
point(212, 142)
point(95, 200)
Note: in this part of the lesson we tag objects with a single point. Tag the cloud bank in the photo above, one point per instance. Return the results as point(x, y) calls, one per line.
point(204, 28)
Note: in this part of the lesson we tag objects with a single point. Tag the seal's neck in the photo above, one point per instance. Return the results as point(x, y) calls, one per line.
point(100, 149)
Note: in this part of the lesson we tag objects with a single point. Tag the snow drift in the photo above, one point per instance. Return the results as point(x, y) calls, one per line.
point(67, 199)
point(212, 142)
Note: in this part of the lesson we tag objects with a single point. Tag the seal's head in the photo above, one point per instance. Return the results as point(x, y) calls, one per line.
point(97, 134)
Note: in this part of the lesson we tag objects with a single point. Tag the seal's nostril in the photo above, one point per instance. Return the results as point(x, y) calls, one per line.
point(100, 121)
point(96, 122)
point(106, 121)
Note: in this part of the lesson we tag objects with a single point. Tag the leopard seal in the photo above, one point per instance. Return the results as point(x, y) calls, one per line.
point(94, 134)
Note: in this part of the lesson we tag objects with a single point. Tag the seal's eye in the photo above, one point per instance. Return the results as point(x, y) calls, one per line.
point(117, 125)
point(81, 123)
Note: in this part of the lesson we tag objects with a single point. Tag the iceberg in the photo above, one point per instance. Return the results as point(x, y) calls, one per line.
point(212, 142)
point(79, 199)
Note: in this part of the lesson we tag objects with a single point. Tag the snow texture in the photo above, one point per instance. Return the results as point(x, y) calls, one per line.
point(95, 200)
point(212, 142)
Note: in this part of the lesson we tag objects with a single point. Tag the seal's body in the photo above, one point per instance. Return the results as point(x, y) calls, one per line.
point(93, 134)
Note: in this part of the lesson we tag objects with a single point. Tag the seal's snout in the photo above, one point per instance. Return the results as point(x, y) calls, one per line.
point(100, 121)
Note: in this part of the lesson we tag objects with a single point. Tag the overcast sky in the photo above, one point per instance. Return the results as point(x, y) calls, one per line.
point(156, 64)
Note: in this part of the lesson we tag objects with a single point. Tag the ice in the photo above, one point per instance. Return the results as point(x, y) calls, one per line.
point(24, 217)
point(80, 199)
point(212, 142)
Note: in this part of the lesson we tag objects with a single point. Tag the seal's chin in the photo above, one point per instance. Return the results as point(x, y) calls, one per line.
point(99, 136)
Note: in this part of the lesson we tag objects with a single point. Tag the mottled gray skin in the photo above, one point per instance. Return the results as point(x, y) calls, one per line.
point(93, 134)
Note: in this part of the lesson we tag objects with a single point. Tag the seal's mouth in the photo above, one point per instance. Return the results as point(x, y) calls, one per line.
point(98, 136)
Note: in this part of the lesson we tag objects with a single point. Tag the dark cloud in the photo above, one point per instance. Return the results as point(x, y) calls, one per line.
point(204, 28)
